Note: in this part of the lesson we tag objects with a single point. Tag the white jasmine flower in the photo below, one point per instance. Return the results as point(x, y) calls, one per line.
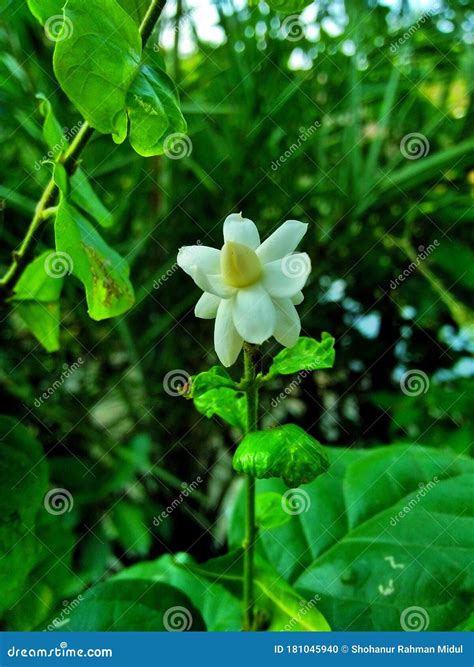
point(251, 288)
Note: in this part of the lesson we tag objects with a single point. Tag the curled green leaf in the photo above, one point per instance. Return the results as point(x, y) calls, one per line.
point(287, 452)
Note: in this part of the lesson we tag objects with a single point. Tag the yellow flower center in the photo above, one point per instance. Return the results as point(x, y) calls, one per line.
point(240, 265)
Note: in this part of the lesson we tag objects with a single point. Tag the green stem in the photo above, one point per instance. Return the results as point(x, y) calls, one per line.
point(251, 390)
point(22, 255)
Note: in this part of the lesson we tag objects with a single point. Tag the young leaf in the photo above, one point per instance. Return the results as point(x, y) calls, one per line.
point(153, 108)
point(308, 354)
point(224, 402)
point(287, 452)
point(37, 296)
point(213, 378)
point(102, 271)
point(97, 62)
point(53, 133)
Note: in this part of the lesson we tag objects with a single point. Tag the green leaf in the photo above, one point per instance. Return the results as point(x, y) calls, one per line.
point(23, 484)
point(134, 605)
point(44, 9)
point(37, 296)
point(85, 197)
point(153, 108)
point(213, 378)
point(287, 452)
point(288, 6)
point(308, 354)
point(102, 271)
point(278, 605)
point(221, 610)
point(269, 512)
point(115, 89)
point(52, 131)
point(97, 61)
point(382, 531)
point(226, 403)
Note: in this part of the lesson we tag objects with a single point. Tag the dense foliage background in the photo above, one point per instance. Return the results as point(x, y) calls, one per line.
point(306, 121)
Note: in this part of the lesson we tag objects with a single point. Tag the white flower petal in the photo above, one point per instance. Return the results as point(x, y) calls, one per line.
point(283, 241)
point(254, 314)
point(288, 325)
point(200, 256)
point(286, 277)
point(242, 230)
point(214, 284)
point(298, 298)
point(206, 307)
point(227, 341)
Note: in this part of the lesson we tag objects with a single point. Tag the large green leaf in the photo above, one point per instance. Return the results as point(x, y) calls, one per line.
point(37, 296)
point(97, 61)
point(221, 610)
point(134, 605)
point(23, 484)
point(384, 530)
point(102, 271)
point(277, 604)
point(287, 452)
point(44, 9)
